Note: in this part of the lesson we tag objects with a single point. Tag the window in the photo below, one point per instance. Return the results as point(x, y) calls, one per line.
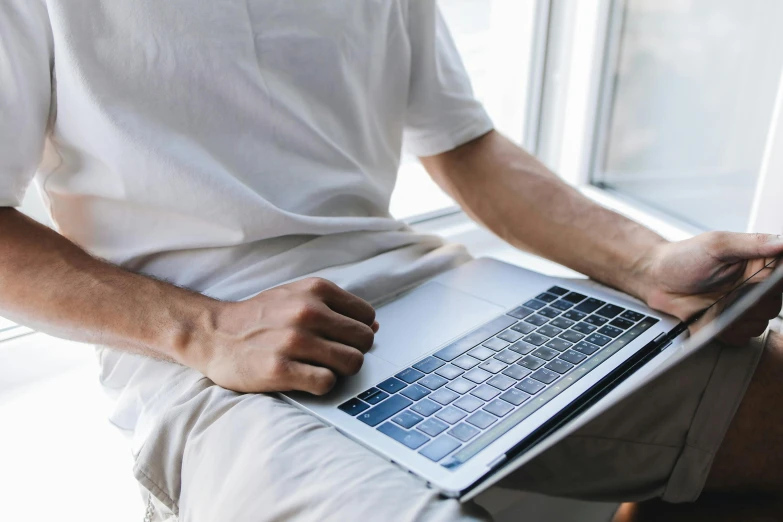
point(496, 40)
point(689, 112)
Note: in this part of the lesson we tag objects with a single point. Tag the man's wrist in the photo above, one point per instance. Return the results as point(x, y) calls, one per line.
point(196, 335)
point(640, 279)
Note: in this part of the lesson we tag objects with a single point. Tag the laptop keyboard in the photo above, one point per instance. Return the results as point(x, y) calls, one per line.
point(457, 401)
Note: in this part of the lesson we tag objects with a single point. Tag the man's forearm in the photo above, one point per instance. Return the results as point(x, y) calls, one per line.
point(519, 199)
point(50, 284)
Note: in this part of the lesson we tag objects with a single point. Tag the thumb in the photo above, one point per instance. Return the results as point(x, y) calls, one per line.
point(731, 247)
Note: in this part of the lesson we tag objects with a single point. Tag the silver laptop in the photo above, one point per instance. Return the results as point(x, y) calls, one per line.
point(476, 371)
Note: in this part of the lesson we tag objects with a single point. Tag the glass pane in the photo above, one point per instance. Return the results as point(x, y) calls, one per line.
point(693, 96)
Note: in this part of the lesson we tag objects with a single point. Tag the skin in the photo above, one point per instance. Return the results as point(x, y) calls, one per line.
point(304, 335)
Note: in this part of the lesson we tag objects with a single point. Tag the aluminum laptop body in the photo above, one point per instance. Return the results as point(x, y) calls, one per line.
point(552, 353)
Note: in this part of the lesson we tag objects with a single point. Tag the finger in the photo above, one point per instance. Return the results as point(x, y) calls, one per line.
point(376, 326)
point(731, 247)
point(344, 330)
point(308, 378)
point(342, 301)
point(341, 359)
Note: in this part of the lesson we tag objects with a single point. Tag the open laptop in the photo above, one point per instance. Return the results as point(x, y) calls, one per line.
point(478, 370)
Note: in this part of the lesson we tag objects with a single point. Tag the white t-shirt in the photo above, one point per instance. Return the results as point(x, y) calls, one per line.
point(231, 146)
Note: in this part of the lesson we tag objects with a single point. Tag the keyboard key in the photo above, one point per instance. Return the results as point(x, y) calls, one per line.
point(530, 386)
point(574, 315)
point(573, 357)
point(451, 415)
point(537, 320)
point(466, 362)
point(449, 371)
point(559, 366)
point(481, 419)
point(536, 339)
point(425, 407)
point(557, 290)
point(499, 408)
point(476, 337)
point(549, 313)
point(547, 298)
point(481, 353)
point(585, 348)
point(532, 363)
point(515, 397)
point(461, 386)
point(368, 393)
point(520, 312)
point(407, 419)
point(609, 311)
point(376, 397)
point(523, 327)
point(413, 439)
point(510, 336)
point(584, 328)
point(509, 357)
point(610, 331)
point(354, 407)
point(546, 353)
point(428, 365)
point(575, 297)
point(559, 344)
point(561, 305)
point(391, 406)
point(439, 448)
point(478, 375)
point(391, 385)
point(535, 305)
point(632, 316)
point(443, 396)
point(415, 392)
point(410, 375)
point(590, 305)
point(544, 375)
point(469, 403)
point(572, 336)
point(495, 344)
point(485, 392)
point(596, 320)
point(549, 331)
point(433, 427)
point(432, 381)
point(598, 339)
point(522, 348)
point(621, 323)
point(502, 382)
point(562, 323)
point(493, 366)
point(516, 372)
point(463, 432)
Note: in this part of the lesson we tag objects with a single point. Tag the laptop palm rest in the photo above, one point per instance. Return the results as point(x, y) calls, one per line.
point(425, 318)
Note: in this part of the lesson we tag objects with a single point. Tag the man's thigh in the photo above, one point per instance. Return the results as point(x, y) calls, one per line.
point(256, 458)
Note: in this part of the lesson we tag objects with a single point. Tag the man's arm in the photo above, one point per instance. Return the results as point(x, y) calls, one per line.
point(295, 337)
point(514, 195)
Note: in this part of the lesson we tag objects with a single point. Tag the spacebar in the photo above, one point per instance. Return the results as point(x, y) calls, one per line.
point(478, 335)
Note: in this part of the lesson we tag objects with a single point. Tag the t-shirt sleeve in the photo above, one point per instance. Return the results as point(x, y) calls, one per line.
point(25, 94)
point(442, 111)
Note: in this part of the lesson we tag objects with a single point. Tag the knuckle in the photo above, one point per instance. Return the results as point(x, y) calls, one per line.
point(323, 383)
point(318, 285)
point(305, 313)
point(293, 338)
point(279, 367)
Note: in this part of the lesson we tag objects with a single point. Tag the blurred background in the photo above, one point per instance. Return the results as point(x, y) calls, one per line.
point(665, 110)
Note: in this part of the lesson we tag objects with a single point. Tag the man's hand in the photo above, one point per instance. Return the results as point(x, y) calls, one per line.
point(685, 277)
point(296, 337)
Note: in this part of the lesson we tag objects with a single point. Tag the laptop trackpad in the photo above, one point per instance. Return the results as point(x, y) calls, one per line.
point(425, 318)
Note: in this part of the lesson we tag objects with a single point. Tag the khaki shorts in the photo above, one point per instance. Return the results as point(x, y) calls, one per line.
point(215, 455)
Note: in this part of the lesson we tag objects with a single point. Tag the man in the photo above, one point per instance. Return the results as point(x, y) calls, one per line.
point(245, 151)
